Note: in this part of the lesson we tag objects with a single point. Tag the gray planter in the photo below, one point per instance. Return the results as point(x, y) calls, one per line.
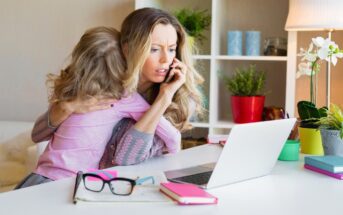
point(332, 143)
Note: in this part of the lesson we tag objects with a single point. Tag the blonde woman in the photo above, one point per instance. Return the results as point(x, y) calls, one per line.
point(97, 69)
point(159, 62)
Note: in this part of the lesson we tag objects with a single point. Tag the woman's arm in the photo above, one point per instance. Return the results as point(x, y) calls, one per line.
point(42, 131)
point(46, 124)
point(135, 147)
point(152, 120)
point(124, 138)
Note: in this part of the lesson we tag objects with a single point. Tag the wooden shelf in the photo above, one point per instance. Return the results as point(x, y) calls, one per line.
point(213, 59)
point(252, 58)
point(200, 124)
point(202, 57)
point(224, 124)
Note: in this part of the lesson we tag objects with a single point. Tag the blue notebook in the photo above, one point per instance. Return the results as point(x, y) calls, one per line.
point(329, 163)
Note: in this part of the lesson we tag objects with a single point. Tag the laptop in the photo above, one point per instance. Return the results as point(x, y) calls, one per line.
point(251, 151)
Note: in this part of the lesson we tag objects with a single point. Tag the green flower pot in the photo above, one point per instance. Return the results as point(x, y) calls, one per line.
point(290, 151)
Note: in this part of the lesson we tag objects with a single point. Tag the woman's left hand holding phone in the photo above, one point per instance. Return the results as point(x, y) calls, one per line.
point(175, 79)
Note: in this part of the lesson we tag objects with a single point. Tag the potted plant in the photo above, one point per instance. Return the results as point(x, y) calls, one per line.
point(194, 22)
point(331, 130)
point(247, 100)
point(308, 129)
point(319, 49)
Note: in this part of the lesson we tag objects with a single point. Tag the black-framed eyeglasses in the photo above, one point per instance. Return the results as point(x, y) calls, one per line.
point(118, 185)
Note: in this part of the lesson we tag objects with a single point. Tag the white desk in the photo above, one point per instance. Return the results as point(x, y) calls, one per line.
point(289, 189)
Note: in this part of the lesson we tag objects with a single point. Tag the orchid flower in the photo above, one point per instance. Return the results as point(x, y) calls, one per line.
point(319, 49)
point(304, 69)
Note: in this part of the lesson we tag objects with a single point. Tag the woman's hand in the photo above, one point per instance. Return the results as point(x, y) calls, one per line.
point(88, 105)
point(176, 78)
point(60, 111)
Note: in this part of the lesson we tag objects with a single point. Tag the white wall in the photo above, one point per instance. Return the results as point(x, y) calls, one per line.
point(36, 37)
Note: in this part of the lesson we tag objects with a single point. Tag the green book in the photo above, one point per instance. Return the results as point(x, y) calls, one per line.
point(331, 163)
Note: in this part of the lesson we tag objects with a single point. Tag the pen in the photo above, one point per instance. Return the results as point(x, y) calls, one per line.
point(77, 182)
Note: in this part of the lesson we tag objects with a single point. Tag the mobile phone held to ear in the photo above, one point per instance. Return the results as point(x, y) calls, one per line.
point(168, 77)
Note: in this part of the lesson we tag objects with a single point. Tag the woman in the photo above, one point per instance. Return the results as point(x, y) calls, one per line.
point(155, 48)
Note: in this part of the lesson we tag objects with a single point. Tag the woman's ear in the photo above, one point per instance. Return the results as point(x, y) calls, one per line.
point(125, 50)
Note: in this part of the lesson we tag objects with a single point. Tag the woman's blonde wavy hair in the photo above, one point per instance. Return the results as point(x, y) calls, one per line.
point(136, 42)
point(97, 68)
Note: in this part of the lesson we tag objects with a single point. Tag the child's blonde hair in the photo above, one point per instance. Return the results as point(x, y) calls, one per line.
point(97, 68)
point(136, 40)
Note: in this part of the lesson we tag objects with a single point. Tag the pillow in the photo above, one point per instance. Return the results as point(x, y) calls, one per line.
point(14, 156)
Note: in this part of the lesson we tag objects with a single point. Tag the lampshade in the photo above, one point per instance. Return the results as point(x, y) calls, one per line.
point(314, 15)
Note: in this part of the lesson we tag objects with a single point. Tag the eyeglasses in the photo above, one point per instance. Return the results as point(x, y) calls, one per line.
point(118, 185)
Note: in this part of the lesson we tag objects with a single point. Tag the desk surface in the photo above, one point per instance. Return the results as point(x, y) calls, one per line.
point(289, 189)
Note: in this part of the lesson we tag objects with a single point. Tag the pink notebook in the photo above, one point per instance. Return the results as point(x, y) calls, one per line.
point(315, 169)
point(187, 194)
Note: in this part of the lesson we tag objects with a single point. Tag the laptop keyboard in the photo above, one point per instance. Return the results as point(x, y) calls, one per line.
point(199, 179)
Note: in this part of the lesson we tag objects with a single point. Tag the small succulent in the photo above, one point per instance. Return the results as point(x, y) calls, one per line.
point(333, 120)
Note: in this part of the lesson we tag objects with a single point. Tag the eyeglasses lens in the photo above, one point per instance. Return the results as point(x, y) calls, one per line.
point(121, 187)
point(93, 183)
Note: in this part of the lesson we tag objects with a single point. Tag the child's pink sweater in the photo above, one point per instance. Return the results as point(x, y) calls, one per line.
point(80, 141)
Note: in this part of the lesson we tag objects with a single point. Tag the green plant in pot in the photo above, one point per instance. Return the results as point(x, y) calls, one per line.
point(247, 100)
point(195, 22)
point(308, 130)
point(331, 130)
point(309, 114)
point(319, 49)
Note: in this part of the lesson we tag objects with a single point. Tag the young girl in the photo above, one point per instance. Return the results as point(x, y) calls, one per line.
point(152, 41)
point(97, 69)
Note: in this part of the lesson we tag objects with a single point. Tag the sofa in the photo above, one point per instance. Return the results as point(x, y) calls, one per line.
point(18, 154)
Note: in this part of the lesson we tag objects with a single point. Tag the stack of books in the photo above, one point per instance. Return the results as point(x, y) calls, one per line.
point(330, 165)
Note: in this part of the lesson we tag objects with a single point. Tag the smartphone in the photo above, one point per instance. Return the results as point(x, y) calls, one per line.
point(168, 79)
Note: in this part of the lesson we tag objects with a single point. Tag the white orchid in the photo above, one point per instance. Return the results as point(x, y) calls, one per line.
point(327, 50)
point(304, 69)
point(307, 54)
point(319, 41)
point(319, 49)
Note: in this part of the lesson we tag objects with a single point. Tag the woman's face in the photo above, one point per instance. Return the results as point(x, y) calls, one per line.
point(162, 53)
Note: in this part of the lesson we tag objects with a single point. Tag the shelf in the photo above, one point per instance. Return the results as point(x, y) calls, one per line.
point(200, 124)
point(252, 58)
point(212, 61)
point(202, 57)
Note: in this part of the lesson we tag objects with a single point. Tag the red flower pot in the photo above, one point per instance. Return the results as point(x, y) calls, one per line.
point(247, 108)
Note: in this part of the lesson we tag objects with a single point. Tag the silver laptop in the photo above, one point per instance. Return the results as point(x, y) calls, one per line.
point(251, 151)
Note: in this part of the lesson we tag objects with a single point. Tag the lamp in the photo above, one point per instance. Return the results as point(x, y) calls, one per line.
point(316, 15)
